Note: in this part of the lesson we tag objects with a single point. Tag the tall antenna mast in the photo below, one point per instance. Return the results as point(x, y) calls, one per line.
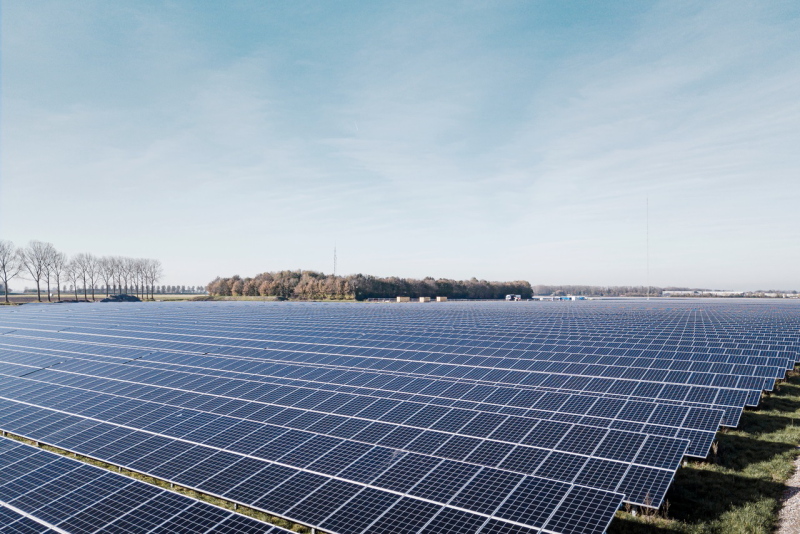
point(334, 259)
point(647, 243)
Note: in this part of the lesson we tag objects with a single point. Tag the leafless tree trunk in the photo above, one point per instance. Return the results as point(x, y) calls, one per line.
point(50, 253)
point(10, 265)
point(106, 269)
point(127, 272)
point(112, 273)
point(74, 275)
point(83, 262)
point(118, 272)
point(154, 271)
point(35, 258)
point(58, 267)
point(141, 266)
point(136, 269)
point(93, 272)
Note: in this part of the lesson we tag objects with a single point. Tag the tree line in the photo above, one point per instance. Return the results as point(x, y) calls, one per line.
point(595, 291)
point(157, 290)
point(182, 290)
point(48, 267)
point(605, 291)
point(316, 285)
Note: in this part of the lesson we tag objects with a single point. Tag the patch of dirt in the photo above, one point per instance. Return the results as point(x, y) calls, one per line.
point(789, 517)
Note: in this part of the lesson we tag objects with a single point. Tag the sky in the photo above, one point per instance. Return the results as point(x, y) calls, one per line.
point(555, 142)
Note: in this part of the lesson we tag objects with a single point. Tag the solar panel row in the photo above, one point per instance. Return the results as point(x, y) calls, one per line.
point(672, 371)
point(680, 359)
point(414, 413)
point(692, 389)
point(44, 492)
point(464, 343)
point(305, 462)
point(696, 424)
point(553, 450)
point(569, 331)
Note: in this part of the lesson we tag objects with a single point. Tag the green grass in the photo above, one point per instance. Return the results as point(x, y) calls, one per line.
point(738, 488)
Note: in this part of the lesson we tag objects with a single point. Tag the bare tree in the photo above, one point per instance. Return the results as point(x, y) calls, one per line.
point(118, 272)
point(74, 274)
point(136, 275)
point(138, 266)
point(141, 265)
point(105, 267)
point(58, 269)
point(133, 269)
point(49, 253)
point(34, 258)
point(126, 265)
point(92, 272)
point(84, 263)
point(153, 271)
point(144, 265)
point(10, 265)
point(46, 265)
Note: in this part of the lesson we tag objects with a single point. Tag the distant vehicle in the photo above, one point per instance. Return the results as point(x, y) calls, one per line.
point(513, 297)
point(121, 298)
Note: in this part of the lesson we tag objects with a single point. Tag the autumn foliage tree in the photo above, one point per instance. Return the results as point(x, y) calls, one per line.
point(317, 286)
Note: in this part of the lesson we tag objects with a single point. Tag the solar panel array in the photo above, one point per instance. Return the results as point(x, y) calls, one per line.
point(42, 491)
point(457, 417)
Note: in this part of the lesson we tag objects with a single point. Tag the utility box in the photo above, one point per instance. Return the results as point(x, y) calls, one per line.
point(441, 299)
point(403, 299)
point(424, 299)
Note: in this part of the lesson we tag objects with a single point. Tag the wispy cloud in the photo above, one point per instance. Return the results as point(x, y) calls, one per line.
point(518, 141)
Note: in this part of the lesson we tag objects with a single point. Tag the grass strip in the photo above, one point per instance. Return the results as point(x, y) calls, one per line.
point(738, 488)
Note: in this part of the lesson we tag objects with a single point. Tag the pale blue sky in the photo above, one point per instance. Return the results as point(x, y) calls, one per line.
point(492, 139)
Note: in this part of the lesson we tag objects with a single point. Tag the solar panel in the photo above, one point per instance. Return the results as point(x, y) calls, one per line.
point(16, 522)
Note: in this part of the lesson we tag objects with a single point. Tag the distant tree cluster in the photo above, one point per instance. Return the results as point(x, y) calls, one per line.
point(316, 285)
point(597, 291)
point(608, 291)
point(180, 290)
point(46, 266)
